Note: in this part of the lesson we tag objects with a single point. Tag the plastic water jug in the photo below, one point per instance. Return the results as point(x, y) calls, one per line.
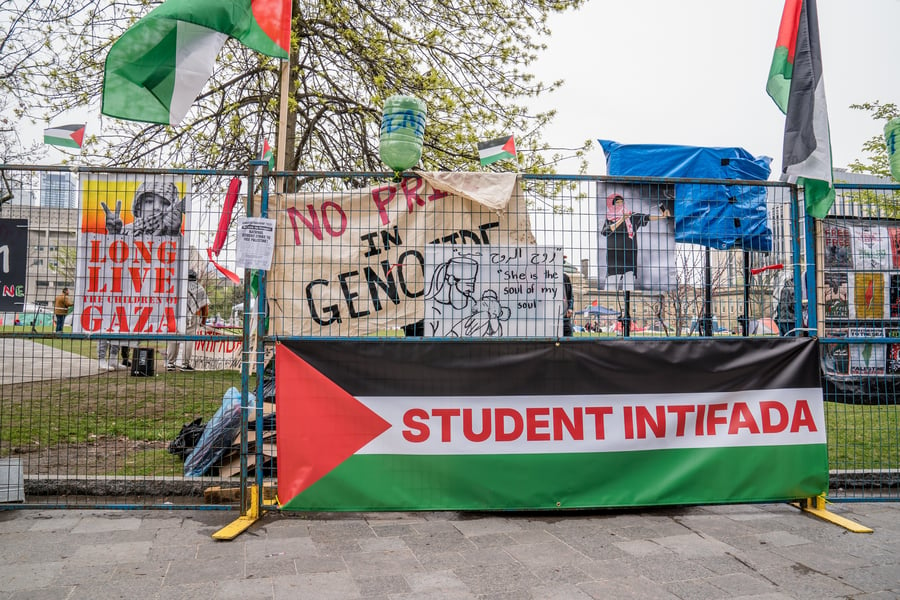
point(402, 132)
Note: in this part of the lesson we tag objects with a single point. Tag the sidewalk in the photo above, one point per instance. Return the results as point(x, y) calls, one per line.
point(735, 552)
point(25, 361)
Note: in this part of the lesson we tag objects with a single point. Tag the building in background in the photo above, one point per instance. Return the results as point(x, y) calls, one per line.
point(59, 189)
point(48, 200)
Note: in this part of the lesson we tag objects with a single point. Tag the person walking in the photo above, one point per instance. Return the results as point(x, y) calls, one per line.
point(198, 311)
point(61, 306)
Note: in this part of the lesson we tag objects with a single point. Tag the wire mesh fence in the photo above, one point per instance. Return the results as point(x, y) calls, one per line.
point(107, 400)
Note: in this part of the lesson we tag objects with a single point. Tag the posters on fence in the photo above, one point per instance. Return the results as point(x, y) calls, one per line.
point(635, 237)
point(869, 297)
point(255, 243)
point(836, 239)
point(131, 272)
point(871, 247)
point(493, 291)
point(517, 424)
point(867, 358)
point(353, 263)
point(837, 305)
point(13, 256)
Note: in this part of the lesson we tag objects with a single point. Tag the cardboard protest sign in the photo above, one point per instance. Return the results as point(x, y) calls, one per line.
point(493, 291)
point(353, 263)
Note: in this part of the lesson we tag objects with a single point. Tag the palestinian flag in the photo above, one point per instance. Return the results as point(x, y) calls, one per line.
point(159, 66)
point(497, 149)
point(508, 424)
point(67, 136)
point(797, 87)
point(892, 142)
point(267, 154)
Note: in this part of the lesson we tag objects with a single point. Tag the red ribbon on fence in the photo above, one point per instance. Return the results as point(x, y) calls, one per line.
point(234, 190)
point(758, 270)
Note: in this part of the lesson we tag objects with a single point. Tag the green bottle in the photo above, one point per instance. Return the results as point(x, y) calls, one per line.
point(402, 132)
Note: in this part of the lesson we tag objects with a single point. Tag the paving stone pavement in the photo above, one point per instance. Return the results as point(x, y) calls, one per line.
point(734, 552)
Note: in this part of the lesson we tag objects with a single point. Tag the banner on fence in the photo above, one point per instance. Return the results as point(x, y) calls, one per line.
point(492, 291)
point(13, 258)
point(218, 354)
point(132, 255)
point(478, 425)
point(352, 263)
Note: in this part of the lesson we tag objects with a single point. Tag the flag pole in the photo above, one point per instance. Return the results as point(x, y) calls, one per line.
point(281, 143)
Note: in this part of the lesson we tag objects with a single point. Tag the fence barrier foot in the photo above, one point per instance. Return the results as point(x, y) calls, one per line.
point(816, 507)
point(243, 522)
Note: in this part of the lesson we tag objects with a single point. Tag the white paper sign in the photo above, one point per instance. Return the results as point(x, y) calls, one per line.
point(255, 243)
point(493, 291)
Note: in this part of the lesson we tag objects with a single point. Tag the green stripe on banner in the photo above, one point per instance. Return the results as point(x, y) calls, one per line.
point(550, 481)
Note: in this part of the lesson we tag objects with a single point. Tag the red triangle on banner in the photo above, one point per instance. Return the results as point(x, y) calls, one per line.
point(319, 425)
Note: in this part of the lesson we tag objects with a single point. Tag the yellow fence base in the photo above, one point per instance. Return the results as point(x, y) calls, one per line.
point(242, 523)
point(816, 507)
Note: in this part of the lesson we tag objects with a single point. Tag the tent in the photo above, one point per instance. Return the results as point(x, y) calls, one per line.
point(765, 326)
point(598, 310)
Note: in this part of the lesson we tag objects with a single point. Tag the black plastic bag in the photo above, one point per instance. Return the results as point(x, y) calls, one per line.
point(187, 438)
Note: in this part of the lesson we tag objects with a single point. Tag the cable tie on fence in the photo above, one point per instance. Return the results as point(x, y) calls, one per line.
point(790, 331)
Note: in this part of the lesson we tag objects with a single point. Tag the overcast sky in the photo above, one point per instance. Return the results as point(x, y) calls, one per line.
point(694, 72)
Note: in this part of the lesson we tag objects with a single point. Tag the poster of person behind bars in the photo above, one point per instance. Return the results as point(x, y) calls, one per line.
point(635, 237)
point(132, 254)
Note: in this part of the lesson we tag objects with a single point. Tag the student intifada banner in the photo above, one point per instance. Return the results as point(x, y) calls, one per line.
point(478, 425)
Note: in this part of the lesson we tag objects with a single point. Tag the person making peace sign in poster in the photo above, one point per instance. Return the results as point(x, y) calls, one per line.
point(155, 208)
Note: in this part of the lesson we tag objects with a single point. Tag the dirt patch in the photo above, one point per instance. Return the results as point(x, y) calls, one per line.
point(103, 456)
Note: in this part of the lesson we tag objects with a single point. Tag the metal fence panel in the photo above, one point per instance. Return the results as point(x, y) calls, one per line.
point(89, 409)
point(83, 435)
point(858, 256)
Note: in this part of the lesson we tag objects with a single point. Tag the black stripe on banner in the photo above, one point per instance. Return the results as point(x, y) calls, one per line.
point(503, 368)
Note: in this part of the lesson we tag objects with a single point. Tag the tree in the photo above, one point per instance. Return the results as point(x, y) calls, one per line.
point(879, 162)
point(687, 298)
point(467, 59)
point(23, 53)
point(884, 202)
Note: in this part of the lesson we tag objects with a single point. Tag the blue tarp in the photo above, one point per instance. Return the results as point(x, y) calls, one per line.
point(717, 216)
point(218, 434)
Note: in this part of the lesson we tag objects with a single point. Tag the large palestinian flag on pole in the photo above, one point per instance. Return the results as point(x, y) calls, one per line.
point(475, 425)
point(159, 66)
point(796, 85)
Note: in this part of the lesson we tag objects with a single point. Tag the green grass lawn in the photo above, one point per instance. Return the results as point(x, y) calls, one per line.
point(863, 436)
point(79, 346)
point(109, 413)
